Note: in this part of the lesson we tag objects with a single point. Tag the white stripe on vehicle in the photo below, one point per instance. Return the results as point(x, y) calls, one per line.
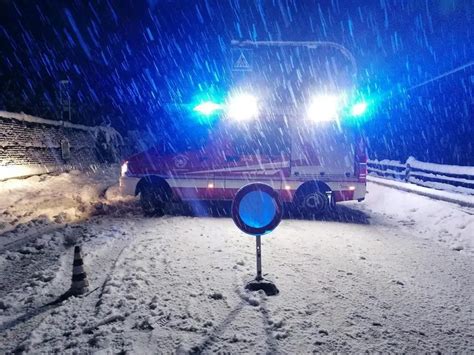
point(243, 168)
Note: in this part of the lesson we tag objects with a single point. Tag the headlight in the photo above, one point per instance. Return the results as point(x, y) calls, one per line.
point(325, 108)
point(242, 107)
point(124, 168)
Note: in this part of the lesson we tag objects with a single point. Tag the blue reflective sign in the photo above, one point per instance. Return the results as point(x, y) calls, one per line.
point(257, 209)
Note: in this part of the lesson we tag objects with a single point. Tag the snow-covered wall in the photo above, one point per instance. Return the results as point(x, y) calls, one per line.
point(32, 145)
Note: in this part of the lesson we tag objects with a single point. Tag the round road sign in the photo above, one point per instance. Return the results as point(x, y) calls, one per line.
point(257, 209)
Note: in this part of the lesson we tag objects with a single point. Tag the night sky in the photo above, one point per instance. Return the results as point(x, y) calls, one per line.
point(128, 60)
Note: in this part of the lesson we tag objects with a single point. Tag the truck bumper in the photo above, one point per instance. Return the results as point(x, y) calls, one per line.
point(348, 191)
point(360, 191)
point(128, 185)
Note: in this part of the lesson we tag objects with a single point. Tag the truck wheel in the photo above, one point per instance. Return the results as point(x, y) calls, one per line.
point(311, 201)
point(153, 199)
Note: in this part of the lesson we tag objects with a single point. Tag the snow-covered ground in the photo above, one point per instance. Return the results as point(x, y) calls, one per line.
point(394, 273)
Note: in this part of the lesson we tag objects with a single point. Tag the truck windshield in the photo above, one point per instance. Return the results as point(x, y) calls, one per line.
point(268, 139)
point(290, 73)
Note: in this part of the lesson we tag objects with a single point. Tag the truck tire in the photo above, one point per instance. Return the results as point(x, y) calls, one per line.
point(311, 201)
point(153, 199)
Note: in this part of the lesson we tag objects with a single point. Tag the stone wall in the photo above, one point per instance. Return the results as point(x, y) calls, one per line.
point(31, 145)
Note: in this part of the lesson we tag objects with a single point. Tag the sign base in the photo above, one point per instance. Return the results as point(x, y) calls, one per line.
point(267, 286)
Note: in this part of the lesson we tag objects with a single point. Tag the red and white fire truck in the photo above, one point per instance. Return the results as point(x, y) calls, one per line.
point(301, 148)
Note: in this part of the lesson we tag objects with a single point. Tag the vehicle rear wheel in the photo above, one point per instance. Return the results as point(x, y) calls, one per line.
point(312, 201)
point(153, 199)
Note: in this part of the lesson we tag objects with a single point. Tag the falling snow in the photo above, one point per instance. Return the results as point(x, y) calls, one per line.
point(324, 83)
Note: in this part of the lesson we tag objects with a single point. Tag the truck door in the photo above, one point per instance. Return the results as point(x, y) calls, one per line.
point(322, 151)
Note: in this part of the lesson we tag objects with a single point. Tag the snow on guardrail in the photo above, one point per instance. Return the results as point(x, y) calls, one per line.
point(452, 178)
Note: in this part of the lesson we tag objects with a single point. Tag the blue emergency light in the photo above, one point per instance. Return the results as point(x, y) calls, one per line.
point(359, 108)
point(207, 108)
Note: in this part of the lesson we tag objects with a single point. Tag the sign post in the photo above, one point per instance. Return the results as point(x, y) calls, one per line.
point(257, 210)
point(259, 257)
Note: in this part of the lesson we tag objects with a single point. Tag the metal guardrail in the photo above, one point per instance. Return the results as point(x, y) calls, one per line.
point(438, 176)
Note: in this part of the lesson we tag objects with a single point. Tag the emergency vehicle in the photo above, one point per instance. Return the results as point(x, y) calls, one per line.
point(271, 128)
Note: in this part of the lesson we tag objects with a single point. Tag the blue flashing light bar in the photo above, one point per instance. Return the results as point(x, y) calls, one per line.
point(207, 108)
point(359, 109)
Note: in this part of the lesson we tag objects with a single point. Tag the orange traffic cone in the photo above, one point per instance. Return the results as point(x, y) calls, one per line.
point(80, 284)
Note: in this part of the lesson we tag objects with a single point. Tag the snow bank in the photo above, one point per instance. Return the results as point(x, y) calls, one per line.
point(28, 204)
point(440, 221)
point(451, 195)
point(442, 186)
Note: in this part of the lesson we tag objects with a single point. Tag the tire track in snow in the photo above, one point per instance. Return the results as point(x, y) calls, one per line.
point(78, 307)
point(107, 279)
point(125, 288)
point(185, 318)
point(29, 236)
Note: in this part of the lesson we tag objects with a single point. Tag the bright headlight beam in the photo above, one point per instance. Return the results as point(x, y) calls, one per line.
point(207, 108)
point(324, 108)
point(359, 109)
point(242, 107)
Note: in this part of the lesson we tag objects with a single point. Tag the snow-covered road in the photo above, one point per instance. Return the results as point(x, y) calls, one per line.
point(368, 278)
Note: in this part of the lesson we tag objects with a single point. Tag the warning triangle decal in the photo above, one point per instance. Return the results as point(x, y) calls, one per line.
point(242, 62)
